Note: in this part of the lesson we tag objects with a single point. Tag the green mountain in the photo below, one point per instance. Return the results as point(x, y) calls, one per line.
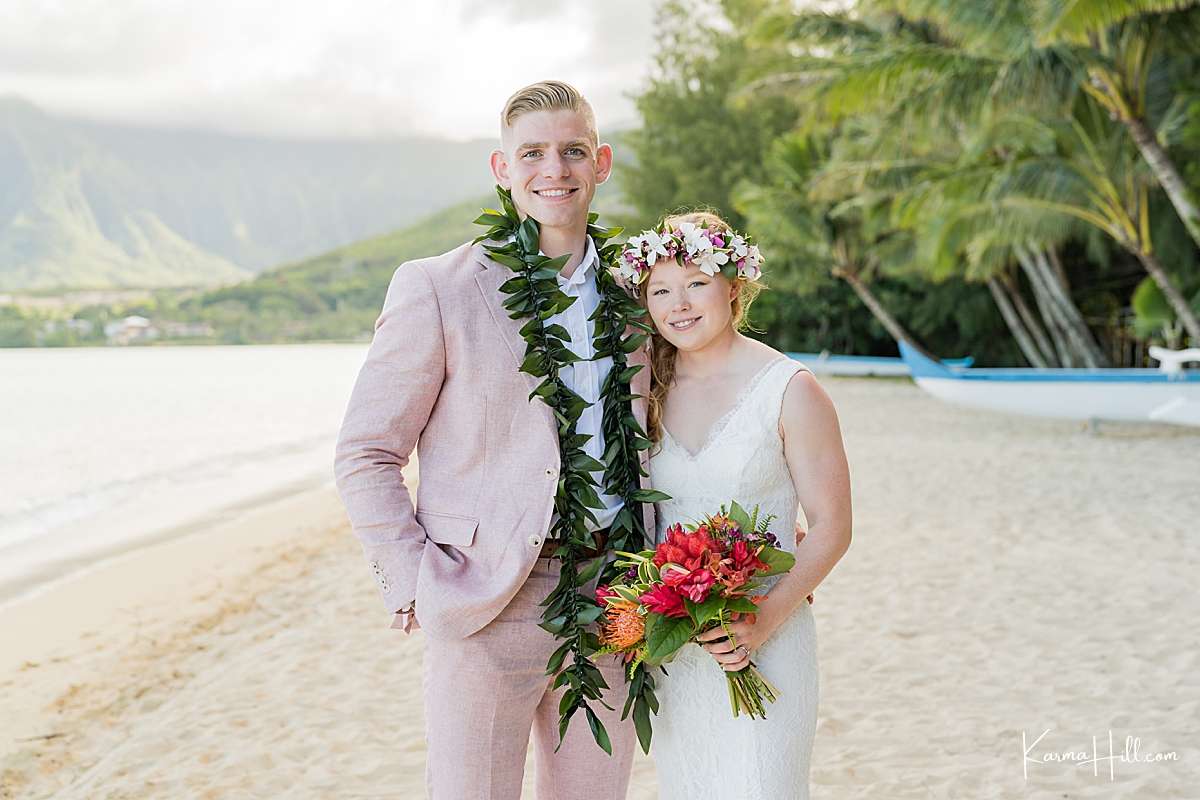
point(356, 275)
point(55, 232)
point(336, 295)
point(87, 205)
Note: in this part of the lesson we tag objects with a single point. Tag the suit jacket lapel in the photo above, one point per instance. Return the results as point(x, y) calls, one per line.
point(490, 280)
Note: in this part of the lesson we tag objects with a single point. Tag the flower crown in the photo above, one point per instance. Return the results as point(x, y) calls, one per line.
point(711, 249)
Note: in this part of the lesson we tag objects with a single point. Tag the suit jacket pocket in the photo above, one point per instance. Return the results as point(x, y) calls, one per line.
point(449, 529)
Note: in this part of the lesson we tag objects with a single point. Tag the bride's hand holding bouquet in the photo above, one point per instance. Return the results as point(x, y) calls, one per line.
point(746, 633)
point(695, 587)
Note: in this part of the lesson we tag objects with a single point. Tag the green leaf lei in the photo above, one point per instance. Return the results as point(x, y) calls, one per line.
point(534, 294)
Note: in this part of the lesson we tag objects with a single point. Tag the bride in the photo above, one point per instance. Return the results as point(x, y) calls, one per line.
point(735, 420)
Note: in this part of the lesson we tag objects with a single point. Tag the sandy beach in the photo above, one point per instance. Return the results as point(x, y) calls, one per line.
point(1008, 577)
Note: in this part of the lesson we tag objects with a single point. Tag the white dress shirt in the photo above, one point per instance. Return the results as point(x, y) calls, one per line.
point(586, 377)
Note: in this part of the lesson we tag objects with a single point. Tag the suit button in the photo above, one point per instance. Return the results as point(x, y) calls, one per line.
point(535, 541)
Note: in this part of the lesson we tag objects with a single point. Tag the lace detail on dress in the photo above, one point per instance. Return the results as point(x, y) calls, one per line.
point(700, 750)
point(718, 427)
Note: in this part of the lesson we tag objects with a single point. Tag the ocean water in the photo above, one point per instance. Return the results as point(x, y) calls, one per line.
point(99, 433)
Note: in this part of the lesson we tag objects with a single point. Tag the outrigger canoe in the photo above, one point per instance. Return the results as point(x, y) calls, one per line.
point(1169, 394)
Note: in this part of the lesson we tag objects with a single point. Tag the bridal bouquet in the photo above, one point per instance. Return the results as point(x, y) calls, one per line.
point(697, 580)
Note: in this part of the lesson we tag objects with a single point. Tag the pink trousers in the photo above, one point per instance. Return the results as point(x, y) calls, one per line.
point(486, 693)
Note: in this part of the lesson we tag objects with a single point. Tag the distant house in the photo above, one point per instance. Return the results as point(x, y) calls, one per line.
point(133, 330)
point(130, 330)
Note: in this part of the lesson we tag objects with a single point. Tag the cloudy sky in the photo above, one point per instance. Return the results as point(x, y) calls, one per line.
point(316, 68)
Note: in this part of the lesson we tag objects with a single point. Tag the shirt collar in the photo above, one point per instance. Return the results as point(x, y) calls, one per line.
point(586, 269)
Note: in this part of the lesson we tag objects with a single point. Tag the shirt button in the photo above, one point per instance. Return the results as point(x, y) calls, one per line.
point(550, 473)
point(535, 541)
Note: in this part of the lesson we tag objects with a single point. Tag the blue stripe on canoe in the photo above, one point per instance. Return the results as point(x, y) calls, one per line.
point(922, 367)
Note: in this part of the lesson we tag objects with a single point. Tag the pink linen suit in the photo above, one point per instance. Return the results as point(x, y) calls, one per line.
point(441, 377)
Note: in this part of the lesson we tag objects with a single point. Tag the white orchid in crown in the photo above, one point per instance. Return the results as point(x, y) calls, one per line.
point(655, 246)
point(739, 247)
point(710, 260)
point(627, 273)
point(694, 237)
point(748, 267)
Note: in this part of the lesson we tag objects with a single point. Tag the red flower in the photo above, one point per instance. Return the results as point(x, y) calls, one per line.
point(745, 558)
point(603, 593)
point(665, 600)
point(685, 549)
point(694, 584)
point(668, 553)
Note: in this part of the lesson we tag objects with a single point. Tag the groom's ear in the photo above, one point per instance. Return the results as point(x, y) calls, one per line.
point(500, 168)
point(604, 162)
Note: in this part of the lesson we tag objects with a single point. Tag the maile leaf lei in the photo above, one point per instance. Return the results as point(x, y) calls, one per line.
point(534, 295)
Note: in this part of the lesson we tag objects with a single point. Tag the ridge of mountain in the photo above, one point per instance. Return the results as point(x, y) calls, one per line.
point(93, 205)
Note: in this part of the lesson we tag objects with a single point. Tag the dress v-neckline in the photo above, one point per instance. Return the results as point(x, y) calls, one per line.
point(718, 427)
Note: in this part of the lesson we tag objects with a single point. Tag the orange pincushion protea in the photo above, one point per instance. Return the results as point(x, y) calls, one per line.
point(623, 627)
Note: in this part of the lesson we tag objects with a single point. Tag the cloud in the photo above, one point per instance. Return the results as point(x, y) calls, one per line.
point(362, 68)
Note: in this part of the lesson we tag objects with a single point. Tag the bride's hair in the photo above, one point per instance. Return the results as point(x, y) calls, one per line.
point(662, 352)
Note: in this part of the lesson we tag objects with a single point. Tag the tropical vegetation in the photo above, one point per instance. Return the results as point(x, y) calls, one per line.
point(1012, 179)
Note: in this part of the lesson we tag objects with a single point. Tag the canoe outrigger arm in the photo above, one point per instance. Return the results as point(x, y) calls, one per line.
point(1172, 361)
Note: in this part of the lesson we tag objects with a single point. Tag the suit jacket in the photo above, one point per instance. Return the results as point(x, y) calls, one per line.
point(441, 377)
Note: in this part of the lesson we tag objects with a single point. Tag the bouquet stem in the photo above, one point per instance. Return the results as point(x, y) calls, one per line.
point(747, 690)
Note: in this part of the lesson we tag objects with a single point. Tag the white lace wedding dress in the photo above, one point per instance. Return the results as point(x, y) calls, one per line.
point(700, 750)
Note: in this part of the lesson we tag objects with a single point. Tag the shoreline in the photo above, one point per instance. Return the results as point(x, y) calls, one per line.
point(70, 569)
point(160, 513)
point(111, 450)
point(194, 550)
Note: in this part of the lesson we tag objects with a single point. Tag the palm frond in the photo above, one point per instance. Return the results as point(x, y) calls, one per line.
point(1076, 20)
point(998, 27)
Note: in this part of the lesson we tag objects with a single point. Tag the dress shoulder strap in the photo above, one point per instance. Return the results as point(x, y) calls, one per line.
point(767, 401)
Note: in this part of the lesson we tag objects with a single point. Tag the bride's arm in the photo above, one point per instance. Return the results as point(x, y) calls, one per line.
point(812, 446)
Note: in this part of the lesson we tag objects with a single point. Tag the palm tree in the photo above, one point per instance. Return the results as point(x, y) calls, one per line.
point(847, 241)
point(926, 191)
point(1079, 170)
point(1117, 49)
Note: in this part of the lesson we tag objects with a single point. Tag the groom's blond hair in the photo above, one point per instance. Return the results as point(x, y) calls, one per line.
point(548, 96)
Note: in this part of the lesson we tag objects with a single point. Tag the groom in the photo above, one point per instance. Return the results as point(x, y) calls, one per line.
point(470, 562)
